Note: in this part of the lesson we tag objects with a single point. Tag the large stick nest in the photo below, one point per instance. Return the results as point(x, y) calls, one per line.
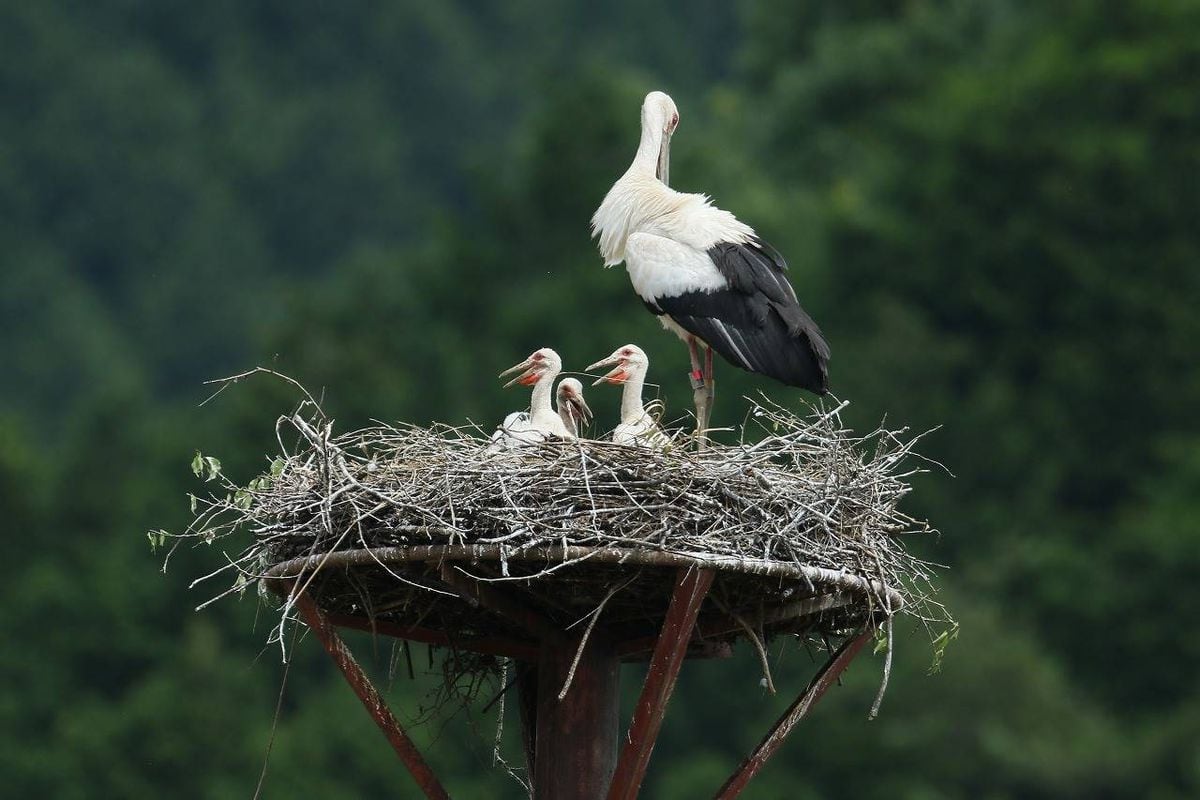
point(801, 520)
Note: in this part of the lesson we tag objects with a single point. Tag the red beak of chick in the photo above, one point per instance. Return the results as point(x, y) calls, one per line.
point(616, 375)
point(527, 378)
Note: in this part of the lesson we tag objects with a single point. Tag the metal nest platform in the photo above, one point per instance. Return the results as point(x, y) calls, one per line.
point(671, 607)
point(571, 557)
point(448, 596)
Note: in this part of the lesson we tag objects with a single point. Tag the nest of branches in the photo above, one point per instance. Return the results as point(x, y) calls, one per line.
point(800, 522)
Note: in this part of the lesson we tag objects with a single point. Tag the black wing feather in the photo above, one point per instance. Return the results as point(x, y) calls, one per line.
point(756, 323)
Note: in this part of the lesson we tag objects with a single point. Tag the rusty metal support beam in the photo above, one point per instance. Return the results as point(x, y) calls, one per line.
point(722, 625)
point(828, 674)
point(642, 649)
point(527, 696)
point(523, 651)
point(576, 737)
point(315, 619)
point(498, 602)
point(691, 587)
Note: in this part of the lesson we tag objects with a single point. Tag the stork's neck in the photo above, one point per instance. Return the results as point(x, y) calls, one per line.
point(539, 402)
point(646, 160)
point(631, 397)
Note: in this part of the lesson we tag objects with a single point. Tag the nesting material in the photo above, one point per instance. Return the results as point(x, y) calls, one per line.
point(800, 521)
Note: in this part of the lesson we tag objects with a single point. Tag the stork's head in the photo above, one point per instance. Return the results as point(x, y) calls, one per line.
point(625, 361)
point(661, 118)
point(571, 405)
point(539, 364)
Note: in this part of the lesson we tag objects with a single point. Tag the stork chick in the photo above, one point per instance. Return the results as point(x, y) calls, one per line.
point(572, 408)
point(542, 421)
point(638, 427)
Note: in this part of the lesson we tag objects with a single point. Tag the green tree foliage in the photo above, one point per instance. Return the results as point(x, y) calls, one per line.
point(989, 206)
point(1033, 169)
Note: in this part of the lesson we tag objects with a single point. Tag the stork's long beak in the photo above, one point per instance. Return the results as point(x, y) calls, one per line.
point(529, 376)
point(616, 375)
point(604, 362)
point(663, 172)
point(580, 408)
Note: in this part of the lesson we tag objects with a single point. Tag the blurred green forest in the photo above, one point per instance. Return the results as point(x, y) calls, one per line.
point(992, 207)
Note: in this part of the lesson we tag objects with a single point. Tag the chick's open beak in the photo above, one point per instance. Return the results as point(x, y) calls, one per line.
point(526, 378)
point(580, 408)
point(617, 375)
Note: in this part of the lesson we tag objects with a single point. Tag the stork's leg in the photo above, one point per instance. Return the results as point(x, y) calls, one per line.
point(700, 392)
point(709, 386)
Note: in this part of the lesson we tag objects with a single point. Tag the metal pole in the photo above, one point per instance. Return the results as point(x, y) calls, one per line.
point(575, 744)
point(691, 587)
point(829, 673)
point(370, 697)
point(527, 697)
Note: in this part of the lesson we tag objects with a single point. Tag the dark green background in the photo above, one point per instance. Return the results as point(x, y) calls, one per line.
point(991, 208)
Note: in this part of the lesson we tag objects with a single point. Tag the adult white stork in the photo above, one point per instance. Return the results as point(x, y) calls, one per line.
point(637, 425)
point(707, 275)
point(542, 421)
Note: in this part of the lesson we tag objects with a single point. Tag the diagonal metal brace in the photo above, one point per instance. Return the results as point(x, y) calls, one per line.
point(315, 619)
point(821, 682)
point(691, 587)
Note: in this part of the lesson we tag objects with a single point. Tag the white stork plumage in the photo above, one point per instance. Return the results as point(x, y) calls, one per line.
point(572, 408)
point(705, 274)
point(541, 421)
point(517, 428)
point(637, 426)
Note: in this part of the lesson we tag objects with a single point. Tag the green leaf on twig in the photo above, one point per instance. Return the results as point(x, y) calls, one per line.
point(939, 648)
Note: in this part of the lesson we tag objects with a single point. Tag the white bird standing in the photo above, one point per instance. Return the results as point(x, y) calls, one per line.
point(542, 421)
point(637, 426)
point(705, 274)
